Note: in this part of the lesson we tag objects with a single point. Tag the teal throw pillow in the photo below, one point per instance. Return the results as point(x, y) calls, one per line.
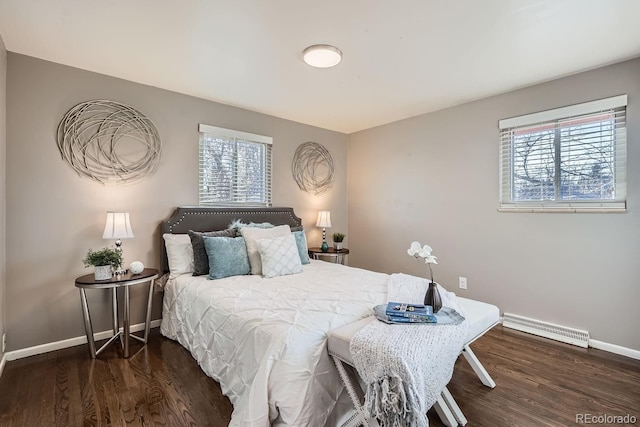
point(301, 242)
point(227, 257)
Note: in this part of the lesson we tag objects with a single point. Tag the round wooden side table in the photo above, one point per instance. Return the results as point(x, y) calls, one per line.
point(124, 281)
point(337, 255)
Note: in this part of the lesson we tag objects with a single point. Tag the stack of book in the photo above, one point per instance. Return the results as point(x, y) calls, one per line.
point(398, 312)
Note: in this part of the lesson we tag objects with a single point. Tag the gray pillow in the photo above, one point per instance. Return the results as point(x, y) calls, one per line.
point(200, 258)
point(301, 243)
point(227, 257)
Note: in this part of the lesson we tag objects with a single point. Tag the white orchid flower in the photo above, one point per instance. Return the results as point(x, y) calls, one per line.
point(430, 259)
point(425, 251)
point(414, 249)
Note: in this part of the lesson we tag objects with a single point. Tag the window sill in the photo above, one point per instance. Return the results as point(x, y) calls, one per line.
point(564, 209)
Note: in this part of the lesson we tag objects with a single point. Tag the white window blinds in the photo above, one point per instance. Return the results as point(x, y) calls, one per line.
point(571, 159)
point(234, 168)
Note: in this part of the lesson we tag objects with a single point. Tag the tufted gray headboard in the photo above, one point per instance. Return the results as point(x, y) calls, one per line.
point(184, 219)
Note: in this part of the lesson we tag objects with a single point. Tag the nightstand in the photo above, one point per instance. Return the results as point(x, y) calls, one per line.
point(336, 255)
point(124, 281)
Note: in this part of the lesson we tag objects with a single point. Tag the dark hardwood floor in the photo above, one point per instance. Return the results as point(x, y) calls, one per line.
point(540, 383)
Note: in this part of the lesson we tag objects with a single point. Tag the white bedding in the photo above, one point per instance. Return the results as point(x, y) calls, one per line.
point(264, 340)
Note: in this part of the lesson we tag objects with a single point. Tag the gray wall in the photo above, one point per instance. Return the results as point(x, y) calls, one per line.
point(3, 163)
point(434, 178)
point(54, 216)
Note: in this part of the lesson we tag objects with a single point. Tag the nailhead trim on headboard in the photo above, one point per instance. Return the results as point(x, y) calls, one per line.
point(183, 215)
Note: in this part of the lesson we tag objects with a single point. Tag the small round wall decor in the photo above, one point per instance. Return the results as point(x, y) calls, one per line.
point(109, 142)
point(312, 168)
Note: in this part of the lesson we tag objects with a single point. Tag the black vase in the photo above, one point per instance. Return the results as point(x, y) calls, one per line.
point(432, 297)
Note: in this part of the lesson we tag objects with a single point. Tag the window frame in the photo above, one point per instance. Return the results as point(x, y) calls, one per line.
point(556, 119)
point(235, 136)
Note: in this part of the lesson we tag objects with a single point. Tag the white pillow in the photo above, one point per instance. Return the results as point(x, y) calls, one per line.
point(179, 254)
point(251, 234)
point(279, 256)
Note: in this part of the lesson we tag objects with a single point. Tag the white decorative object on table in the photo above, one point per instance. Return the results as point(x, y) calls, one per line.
point(136, 267)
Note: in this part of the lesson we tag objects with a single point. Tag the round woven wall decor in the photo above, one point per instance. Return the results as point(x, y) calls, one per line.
point(312, 168)
point(109, 142)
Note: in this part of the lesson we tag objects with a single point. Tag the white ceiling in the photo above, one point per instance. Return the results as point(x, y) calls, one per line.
point(401, 58)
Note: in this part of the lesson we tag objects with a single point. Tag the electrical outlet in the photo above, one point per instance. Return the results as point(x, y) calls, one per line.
point(462, 282)
point(4, 342)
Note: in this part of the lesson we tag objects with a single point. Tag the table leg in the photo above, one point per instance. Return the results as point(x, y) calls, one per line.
point(147, 322)
point(125, 321)
point(114, 314)
point(87, 323)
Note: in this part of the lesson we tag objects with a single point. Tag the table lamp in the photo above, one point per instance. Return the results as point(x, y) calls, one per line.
point(324, 221)
point(118, 226)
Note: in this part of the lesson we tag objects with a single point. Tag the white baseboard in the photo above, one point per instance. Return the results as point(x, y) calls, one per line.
point(71, 342)
point(613, 348)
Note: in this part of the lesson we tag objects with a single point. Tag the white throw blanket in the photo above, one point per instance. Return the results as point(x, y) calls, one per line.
point(406, 367)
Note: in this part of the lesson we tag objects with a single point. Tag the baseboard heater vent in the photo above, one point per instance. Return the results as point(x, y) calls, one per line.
point(548, 330)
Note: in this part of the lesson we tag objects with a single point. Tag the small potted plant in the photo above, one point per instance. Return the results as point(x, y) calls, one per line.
point(337, 240)
point(104, 262)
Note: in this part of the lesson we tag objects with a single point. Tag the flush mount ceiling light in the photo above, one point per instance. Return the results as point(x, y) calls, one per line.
point(322, 55)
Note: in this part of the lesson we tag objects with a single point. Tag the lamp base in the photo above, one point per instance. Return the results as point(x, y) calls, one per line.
point(324, 247)
point(120, 271)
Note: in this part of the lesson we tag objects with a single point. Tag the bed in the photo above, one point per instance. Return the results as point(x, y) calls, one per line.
point(264, 340)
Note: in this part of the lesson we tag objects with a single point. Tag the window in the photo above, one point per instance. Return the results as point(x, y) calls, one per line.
point(571, 159)
point(235, 168)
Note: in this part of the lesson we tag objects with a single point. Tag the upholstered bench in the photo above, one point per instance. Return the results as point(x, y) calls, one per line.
point(481, 317)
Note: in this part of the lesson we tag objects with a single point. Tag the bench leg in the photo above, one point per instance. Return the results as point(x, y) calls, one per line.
point(477, 367)
point(444, 412)
point(358, 417)
point(453, 405)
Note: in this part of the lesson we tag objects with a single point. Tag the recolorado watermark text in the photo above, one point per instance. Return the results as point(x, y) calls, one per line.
point(605, 419)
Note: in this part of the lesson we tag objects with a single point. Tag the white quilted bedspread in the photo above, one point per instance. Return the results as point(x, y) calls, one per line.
point(264, 340)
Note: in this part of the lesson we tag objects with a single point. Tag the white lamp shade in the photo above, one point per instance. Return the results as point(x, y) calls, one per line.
point(324, 219)
point(118, 226)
